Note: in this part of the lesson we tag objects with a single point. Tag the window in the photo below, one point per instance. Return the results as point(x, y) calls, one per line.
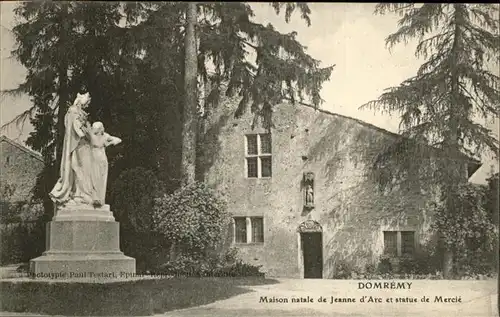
point(259, 155)
point(248, 230)
point(397, 243)
point(257, 229)
point(390, 243)
point(240, 226)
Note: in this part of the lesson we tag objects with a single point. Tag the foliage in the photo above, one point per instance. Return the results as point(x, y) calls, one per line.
point(344, 269)
point(62, 45)
point(282, 69)
point(20, 241)
point(226, 266)
point(193, 218)
point(439, 105)
point(385, 265)
point(469, 231)
point(129, 56)
point(492, 202)
point(239, 269)
point(132, 195)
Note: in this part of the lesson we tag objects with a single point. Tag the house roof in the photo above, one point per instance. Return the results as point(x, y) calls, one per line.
point(23, 148)
point(472, 166)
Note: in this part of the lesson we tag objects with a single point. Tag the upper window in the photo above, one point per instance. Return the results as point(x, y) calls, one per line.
point(258, 155)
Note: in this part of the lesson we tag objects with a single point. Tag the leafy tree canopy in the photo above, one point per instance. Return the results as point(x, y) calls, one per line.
point(455, 86)
point(129, 56)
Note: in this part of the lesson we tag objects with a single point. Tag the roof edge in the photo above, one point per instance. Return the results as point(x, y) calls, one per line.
point(22, 148)
point(472, 166)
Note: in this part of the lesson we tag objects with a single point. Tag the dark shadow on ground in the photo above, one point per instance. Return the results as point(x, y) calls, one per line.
point(142, 297)
point(191, 292)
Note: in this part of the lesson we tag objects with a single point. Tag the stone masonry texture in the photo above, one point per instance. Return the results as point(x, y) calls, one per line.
point(20, 167)
point(349, 205)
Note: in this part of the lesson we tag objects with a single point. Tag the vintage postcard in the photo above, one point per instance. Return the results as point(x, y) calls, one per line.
point(249, 159)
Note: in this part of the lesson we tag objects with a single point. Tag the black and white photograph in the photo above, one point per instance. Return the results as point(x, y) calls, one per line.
point(249, 159)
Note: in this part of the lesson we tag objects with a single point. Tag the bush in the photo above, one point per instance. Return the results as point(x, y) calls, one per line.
point(370, 269)
point(22, 241)
point(132, 197)
point(343, 270)
point(478, 264)
point(193, 220)
point(239, 269)
point(469, 231)
point(384, 266)
point(226, 265)
point(408, 265)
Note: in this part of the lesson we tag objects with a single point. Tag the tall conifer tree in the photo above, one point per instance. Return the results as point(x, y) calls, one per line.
point(440, 105)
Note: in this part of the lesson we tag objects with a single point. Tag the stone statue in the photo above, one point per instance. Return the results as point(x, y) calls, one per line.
point(75, 154)
point(309, 195)
point(99, 140)
point(84, 166)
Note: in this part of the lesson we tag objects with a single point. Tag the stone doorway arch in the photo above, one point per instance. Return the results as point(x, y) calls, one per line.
point(310, 241)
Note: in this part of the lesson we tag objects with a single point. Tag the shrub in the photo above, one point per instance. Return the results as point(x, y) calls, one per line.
point(343, 270)
point(384, 266)
point(132, 198)
point(370, 269)
point(469, 231)
point(238, 269)
point(193, 219)
point(226, 265)
point(21, 241)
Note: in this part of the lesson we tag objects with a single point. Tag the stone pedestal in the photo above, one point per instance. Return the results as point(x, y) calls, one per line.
point(82, 241)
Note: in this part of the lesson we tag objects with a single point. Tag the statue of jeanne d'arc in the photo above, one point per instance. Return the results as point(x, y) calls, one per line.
point(83, 170)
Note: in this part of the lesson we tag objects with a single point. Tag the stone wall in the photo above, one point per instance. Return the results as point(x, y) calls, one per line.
point(20, 168)
point(349, 206)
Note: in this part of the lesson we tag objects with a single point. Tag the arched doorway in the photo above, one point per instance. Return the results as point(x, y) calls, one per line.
point(311, 249)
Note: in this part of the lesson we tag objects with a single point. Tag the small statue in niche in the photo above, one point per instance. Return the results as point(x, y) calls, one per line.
point(309, 196)
point(309, 190)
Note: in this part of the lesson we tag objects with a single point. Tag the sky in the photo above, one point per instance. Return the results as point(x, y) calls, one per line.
point(347, 35)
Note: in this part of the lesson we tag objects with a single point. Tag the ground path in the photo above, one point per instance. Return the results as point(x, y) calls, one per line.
point(478, 299)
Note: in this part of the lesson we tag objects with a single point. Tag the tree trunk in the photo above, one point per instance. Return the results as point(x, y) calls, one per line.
point(190, 125)
point(62, 105)
point(454, 168)
point(62, 108)
point(62, 91)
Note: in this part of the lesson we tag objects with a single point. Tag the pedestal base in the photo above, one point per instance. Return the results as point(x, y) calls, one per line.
point(82, 265)
point(82, 242)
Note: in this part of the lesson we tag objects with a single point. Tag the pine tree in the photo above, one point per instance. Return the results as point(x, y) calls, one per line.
point(439, 105)
point(225, 33)
point(135, 72)
point(190, 124)
point(69, 48)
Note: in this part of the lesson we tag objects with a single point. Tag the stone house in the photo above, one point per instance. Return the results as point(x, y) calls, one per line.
point(20, 167)
point(300, 195)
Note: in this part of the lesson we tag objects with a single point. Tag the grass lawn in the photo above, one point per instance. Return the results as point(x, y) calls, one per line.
point(140, 297)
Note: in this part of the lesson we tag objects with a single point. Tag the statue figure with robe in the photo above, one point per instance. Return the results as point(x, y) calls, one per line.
point(99, 140)
point(73, 184)
point(309, 195)
point(84, 166)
